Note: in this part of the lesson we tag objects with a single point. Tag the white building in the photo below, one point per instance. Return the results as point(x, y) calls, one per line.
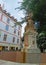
point(10, 31)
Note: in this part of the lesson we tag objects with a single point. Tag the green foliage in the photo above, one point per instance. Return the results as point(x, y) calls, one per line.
point(38, 8)
point(41, 41)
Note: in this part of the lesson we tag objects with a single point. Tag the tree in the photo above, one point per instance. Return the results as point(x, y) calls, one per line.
point(38, 8)
point(41, 41)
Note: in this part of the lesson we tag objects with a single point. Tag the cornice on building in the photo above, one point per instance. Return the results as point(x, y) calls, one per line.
point(19, 23)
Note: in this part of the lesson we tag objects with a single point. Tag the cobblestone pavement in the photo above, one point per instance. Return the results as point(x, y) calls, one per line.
point(2, 62)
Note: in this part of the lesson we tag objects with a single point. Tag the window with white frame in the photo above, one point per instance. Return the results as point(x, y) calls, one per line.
point(0, 33)
point(17, 40)
point(14, 30)
point(18, 32)
point(5, 37)
point(4, 18)
point(0, 15)
point(13, 39)
point(7, 27)
point(8, 20)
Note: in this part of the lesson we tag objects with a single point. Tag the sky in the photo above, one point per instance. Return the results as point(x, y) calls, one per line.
point(9, 6)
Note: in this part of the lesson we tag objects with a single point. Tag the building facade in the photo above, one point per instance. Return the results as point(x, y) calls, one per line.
point(10, 31)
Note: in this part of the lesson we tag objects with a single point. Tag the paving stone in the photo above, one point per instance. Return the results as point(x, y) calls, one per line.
point(2, 62)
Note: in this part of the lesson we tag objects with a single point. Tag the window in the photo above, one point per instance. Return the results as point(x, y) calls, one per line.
point(0, 33)
point(13, 39)
point(16, 48)
point(0, 15)
point(4, 18)
point(17, 40)
point(18, 32)
point(8, 20)
point(15, 25)
point(7, 27)
point(19, 27)
point(14, 30)
point(5, 37)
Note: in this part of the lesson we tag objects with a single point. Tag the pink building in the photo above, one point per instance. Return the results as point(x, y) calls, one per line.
point(10, 31)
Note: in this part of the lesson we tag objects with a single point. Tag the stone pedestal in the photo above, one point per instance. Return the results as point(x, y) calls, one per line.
point(32, 44)
point(32, 50)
